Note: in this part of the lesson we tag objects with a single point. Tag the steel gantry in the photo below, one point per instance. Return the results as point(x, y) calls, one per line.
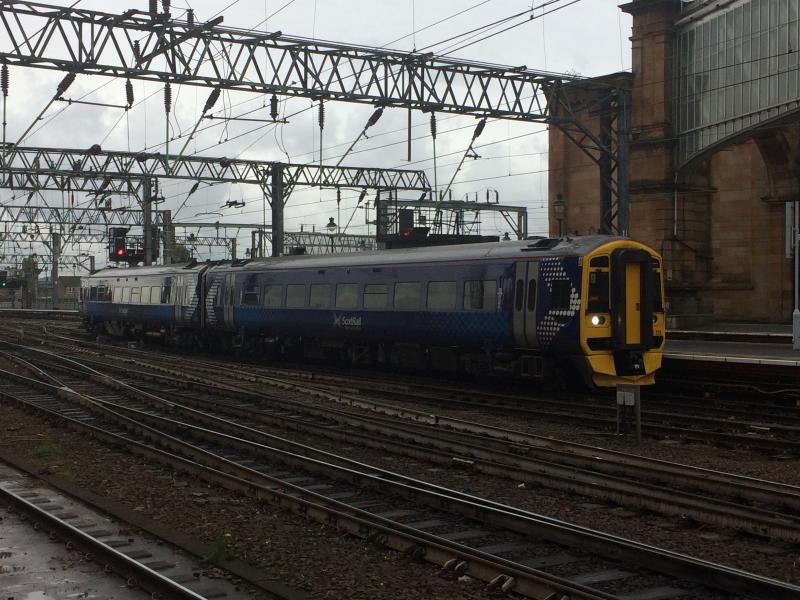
point(63, 169)
point(154, 47)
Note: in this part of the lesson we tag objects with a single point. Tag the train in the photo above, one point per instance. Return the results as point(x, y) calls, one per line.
point(587, 308)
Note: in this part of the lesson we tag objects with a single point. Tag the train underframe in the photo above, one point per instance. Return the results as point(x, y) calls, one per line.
point(515, 362)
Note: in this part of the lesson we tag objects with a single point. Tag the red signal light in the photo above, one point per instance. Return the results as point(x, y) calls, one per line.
point(120, 251)
point(407, 233)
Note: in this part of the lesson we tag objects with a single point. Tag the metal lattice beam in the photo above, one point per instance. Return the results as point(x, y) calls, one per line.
point(71, 261)
point(153, 47)
point(38, 168)
point(139, 45)
point(74, 217)
point(316, 242)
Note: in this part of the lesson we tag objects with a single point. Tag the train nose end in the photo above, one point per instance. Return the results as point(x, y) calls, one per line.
point(629, 362)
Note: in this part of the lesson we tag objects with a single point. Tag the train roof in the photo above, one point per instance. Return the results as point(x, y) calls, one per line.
point(145, 271)
point(570, 246)
point(533, 248)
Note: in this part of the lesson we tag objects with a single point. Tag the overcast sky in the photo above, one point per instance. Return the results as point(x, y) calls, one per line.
point(589, 37)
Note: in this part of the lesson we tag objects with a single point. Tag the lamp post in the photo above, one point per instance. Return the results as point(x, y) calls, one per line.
point(331, 227)
point(559, 207)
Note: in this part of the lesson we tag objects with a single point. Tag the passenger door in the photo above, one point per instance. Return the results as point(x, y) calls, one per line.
point(525, 285)
point(228, 300)
point(632, 292)
point(177, 297)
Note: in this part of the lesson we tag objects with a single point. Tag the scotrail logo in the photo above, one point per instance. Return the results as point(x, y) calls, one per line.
point(345, 322)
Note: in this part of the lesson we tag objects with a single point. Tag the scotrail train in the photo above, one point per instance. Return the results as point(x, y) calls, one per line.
point(542, 308)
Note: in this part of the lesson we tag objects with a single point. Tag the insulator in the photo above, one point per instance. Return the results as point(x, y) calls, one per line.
point(273, 107)
point(190, 17)
point(338, 196)
point(168, 97)
point(373, 118)
point(63, 86)
point(129, 92)
point(153, 8)
point(4, 79)
point(479, 128)
point(362, 196)
point(165, 4)
point(137, 51)
point(193, 188)
point(212, 100)
point(321, 114)
point(433, 125)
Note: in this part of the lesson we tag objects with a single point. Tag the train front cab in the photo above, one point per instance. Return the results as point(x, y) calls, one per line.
point(622, 329)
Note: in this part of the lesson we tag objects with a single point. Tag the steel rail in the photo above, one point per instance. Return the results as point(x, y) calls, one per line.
point(124, 566)
point(484, 566)
point(711, 481)
point(511, 520)
point(589, 452)
point(431, 446)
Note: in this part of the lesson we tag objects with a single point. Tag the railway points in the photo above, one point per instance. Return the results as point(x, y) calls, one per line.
point(479, 447)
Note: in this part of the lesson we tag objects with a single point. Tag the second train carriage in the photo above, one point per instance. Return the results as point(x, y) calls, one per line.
point(536, 307)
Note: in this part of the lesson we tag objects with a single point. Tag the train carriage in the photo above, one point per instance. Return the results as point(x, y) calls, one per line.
point(536, 308)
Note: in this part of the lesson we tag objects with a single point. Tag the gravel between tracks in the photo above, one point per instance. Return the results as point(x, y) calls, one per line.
point(777, 560)
point(300, 553)
point(307, 556)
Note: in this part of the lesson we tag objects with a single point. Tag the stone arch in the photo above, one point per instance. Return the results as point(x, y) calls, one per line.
point(781, 162)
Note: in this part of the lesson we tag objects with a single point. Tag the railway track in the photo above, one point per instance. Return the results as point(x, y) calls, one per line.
point(633, 482)
point(630, 481)
point(138, 563)
point(772, 428)
point(155, 419)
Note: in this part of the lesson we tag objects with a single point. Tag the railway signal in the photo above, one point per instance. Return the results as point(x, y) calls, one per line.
point(119, 244)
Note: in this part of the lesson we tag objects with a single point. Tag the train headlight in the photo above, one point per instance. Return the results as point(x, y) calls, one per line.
point(598, 320)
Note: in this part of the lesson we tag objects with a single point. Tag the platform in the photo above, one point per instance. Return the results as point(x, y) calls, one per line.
point(778, 333)
point(774, 354)
point(749, 352)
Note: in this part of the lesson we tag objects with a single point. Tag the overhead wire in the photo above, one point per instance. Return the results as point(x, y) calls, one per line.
point(286, 101)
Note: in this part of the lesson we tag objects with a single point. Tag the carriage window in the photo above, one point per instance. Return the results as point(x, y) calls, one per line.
point(155, 294)
point(376, 295)
point(135, 292)
point(145, 297)
point(273, 296)
point(117, 297)
point(531, 294)
point(320, 295)
point(250, 296)
point(93, 293)
point(295, 295)
point(165, 294)
point(518, 294)
point(442, 295)
point(126, 295)
point(480, 295)
point(346, 295)
point(406, 295)
point(559, 297)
